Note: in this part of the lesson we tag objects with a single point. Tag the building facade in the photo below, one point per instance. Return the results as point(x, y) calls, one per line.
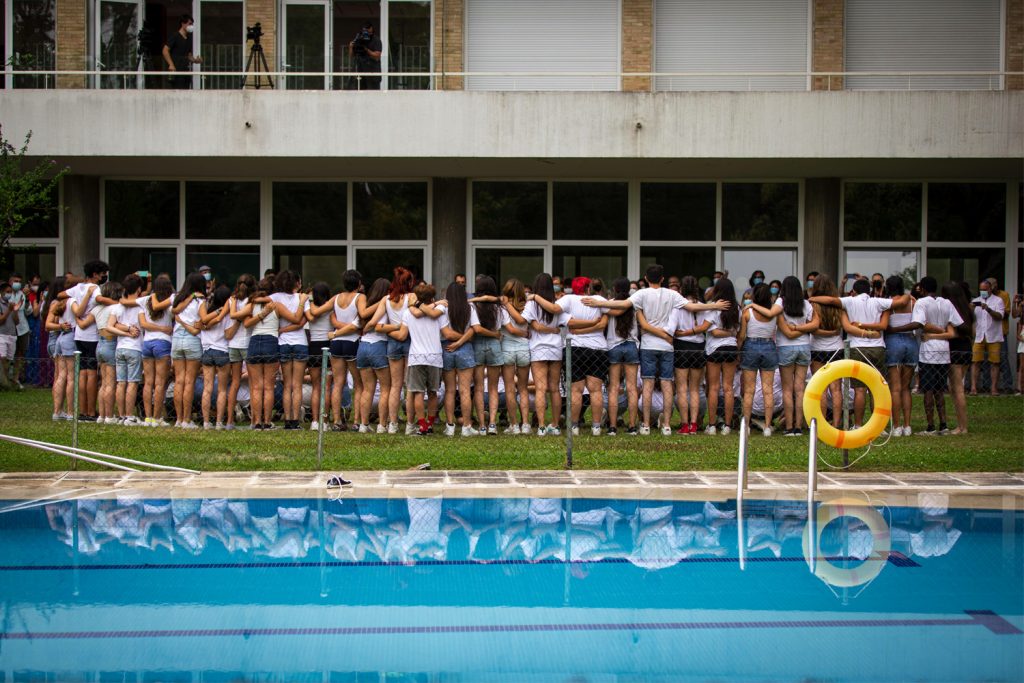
point(567, 136)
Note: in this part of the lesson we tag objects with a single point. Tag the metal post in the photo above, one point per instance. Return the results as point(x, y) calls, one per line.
point(741, 540)
point(846, 406)
point(741, 470)
point(323, 401)
point(568, 400)
point(74, 407)
point(812, 461)
point(566, 593)
point(74, 544)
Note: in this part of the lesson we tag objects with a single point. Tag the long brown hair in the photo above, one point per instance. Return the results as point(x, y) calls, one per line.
point(515, 291)
point(162, 289)
point(831, 317)
point(620, 292)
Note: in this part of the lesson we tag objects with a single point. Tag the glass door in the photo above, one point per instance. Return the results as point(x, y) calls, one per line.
point(28, 41)
point(221, 29)
point(118, 26)
point(408, 45)
point(306, 37)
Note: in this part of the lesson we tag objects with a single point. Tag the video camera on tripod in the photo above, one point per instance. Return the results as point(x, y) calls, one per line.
point(254, 33)
point(257, 62)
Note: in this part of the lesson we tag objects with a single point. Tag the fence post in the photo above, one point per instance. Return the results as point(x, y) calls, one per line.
point(74, 407)
point(568, 399)
point(846, 406)
point(323, 401)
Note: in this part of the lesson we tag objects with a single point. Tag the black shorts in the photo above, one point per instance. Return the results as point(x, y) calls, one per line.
point(343, 348)
point(688, 355)
point(724, 354)
point(960, 351)
point(88, 359)
point(826, 356)
point(933, 377)
point(316, 352)
point(589, 363)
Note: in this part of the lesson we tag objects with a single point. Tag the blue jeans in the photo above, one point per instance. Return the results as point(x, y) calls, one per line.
point(463, 358)
point(799, 354)
point(656, 364)
point(900, 349)
point(372, 356)
point(625, 353)
point(129, 365)
point(760, 354)
point(293, 352)
point(488, 351)
point(398, 350)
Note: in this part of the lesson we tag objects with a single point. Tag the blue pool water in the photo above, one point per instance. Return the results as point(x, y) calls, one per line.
point(425, 589)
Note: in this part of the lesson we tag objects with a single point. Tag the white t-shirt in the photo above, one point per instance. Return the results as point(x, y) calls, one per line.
point(189, 315)
point(506, 338)
point(320, 327)
point(267, 326)
point(102, 315)
point(77, 294)
point(127, 316)
point(939, 312)
point(657, 306)
point(445, 321)
point(783, 340)
point(291, 302)
point(986, 328)
point(611, 332)
point(425, 339)
point(543, 340)
point(241, 338)
point(683, 319)
point(213, 339)
point(572, 305)
point(714, 343)
point(862, 308)
point(498, 310)
point(165, 321)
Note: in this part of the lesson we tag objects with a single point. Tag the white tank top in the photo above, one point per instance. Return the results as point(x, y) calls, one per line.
point(319, 328)
point(163, 321)
point(241, 338)
point(347, 316)
point(395, 315)
point(759, 330)
point(190, 315)
point(268, 325)
point(899, 320)
point(373, 337)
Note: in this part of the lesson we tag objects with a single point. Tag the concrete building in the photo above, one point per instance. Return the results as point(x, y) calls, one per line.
point(569, 136)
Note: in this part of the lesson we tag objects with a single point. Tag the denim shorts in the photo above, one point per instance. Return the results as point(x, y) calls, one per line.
point(66, 344)
point(398, 350)
point(656, 364)
point(344, 348)
point(760, 354)
point(129, 365)
point(237, 355)
point(900, 349)
point(51, 345)
point(105, 351)
point(463, 358)
point(516, 352)
point(488, 351)
point(799, 354)
point(298, 353)
point(263, 350)
point(625, 353)
point(185, 346)
point(156, 348)
point(215, 358)
point(373, 356)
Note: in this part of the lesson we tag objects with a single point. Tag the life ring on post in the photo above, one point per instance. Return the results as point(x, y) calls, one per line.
point(867, 570)
point(854, 369)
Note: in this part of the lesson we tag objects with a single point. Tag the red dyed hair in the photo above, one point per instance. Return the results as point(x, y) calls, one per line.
point(401, 284)
point(580, 285)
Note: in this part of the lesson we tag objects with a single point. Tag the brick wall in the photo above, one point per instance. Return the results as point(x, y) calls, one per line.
point(1015, 43)
point(637, 43)
point(72, 41)
point(449, 20)
point(827, 50)
point(264, 12)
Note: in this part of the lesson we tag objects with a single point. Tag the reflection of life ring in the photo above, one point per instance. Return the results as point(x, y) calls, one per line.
point(855, 438)
point(869, 568)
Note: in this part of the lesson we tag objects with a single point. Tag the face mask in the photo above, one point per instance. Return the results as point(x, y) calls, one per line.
point(7, 297)
point(633, 290)
point(985, 294)
point(758, 280)
point(207, 276)
point(16, 286)
point(877, 284)
point(810, 284)
point(102, 280)
point(189, 28)
point(34, 288)
point(558, 288)
point(714, 281)
point(774, 290)
point(747, 302)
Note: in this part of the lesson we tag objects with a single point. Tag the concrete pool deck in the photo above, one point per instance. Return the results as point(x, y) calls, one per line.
point(996, 490)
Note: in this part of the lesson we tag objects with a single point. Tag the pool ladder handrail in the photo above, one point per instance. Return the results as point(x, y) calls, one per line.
point(99, 459)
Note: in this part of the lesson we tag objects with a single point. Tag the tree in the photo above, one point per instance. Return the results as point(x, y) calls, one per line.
point(27, 188)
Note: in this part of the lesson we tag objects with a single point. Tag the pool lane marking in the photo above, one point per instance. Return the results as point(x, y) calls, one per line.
point(990, 620)
point(895, 558)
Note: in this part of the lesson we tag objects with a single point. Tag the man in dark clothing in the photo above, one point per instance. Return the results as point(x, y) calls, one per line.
point(177, 53)
point(366, 49)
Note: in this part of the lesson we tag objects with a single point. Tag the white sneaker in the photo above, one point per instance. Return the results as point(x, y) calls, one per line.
point(161, 423)
point(381, 429)
point(177, 425)
point(554, 431)
point(219, 427)
point(110, 420)
point(595, 430)
point(469, 431)
point(132, 421)
point(907, 431)
point(666, 431)
point(449, 429)
point(575, 430)
point(525, 428)
point(189, 425)
point(314, 426)
point(512, 429)
point(392, 427)
point(645, 430)
point(542, 431)
point(711, 429)
point(364, 429)
point(206, 426)
point(767, 431)
point(57, 417)
point(410, 429)
point(492, 429)
point(726, 430)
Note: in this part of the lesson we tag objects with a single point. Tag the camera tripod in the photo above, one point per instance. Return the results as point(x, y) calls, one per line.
point(256, 65)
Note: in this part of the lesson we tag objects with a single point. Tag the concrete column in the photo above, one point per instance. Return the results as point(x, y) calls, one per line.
point(449, 236)
point(81, 221)
point(821, 226)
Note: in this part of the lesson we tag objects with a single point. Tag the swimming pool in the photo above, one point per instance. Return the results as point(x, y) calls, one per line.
point(461, 589)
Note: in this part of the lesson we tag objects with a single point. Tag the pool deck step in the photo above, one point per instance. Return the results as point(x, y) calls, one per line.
point(1003, 490)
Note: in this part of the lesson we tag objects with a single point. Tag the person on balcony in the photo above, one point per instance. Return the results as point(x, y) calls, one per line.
point(178, 54)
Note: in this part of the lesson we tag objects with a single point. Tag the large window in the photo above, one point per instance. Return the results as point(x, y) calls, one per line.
point(389, 211)
point(882, 212)
point(506, 211)
point(36, 248)
point(760, 211)
point(503, 264)
point(590, 211)
point(867, 262)
point(28, 42)
point(677, 211)
point(959, 212)
point(221, 28)
point(142, 209)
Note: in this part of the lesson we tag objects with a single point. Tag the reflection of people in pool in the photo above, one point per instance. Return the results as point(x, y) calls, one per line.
point(924, 532)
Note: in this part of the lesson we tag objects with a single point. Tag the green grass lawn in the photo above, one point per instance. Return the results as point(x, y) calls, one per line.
point(995, 443)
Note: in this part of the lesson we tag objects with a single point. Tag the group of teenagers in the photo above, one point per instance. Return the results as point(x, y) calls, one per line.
point(399, 341)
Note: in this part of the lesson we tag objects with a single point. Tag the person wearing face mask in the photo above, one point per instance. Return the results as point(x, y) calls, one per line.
point(989, 312)
point(22, 329)
point(756, 278)
point(557, 282)
point(9, 316)
point(809, 282)
point(211, 282)
point(33, 310)
point(774, 287)
point(877, 285)
point(178, 54)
